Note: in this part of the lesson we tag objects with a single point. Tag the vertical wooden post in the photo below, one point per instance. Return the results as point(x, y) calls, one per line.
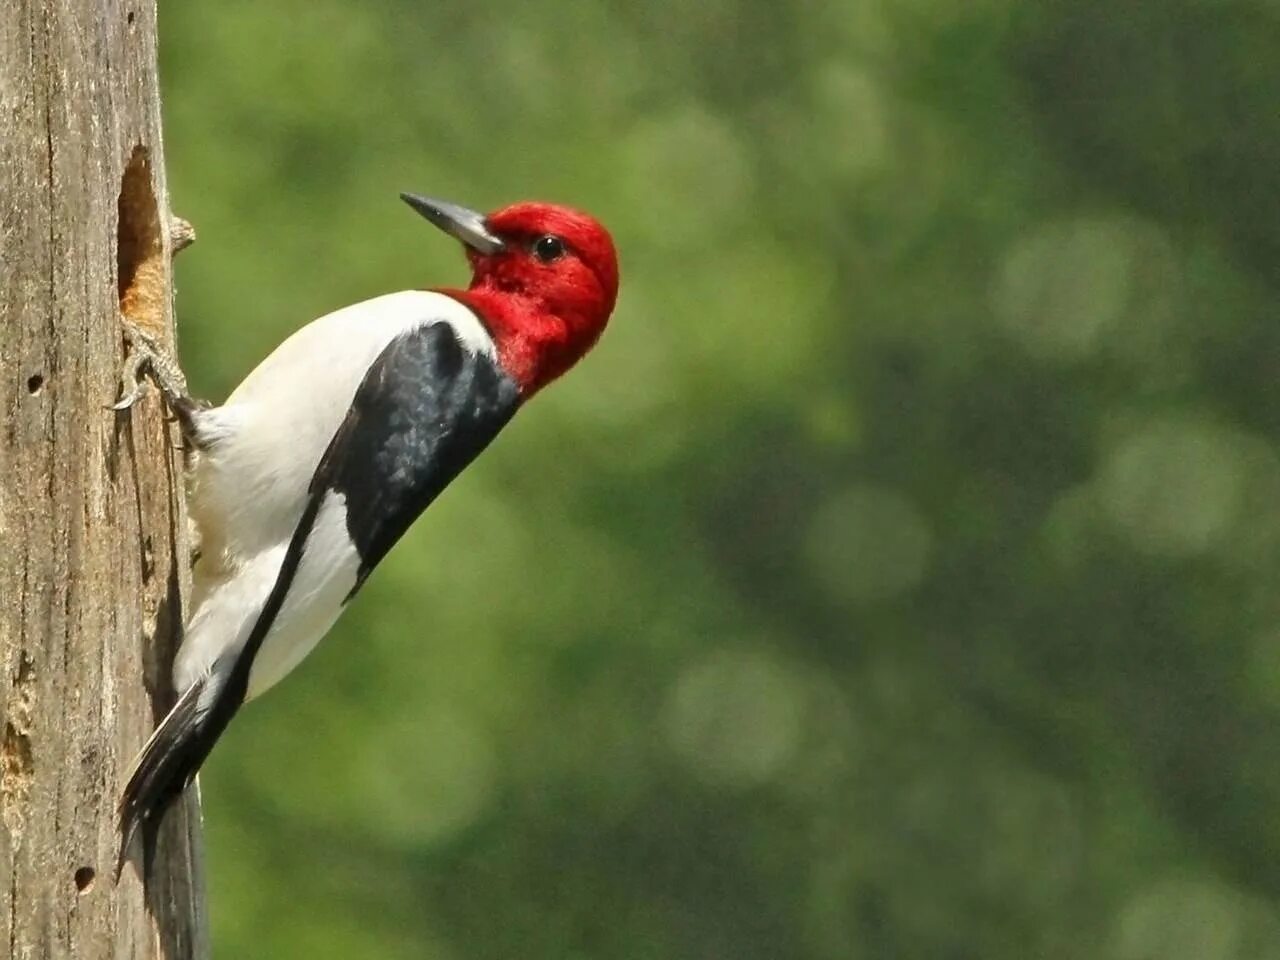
point(93, 540)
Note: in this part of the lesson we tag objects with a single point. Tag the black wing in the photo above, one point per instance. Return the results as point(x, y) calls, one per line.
point(425, 410)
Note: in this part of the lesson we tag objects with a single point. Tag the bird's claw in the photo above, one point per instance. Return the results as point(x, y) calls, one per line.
point(133, 384)
point(147, 361)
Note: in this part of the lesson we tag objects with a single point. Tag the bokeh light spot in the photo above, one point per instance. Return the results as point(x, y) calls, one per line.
point(735, 718)
point(1063, 285)
point(1190, 919)
point(1173, 487)
point(848, 112)
point(868, 543)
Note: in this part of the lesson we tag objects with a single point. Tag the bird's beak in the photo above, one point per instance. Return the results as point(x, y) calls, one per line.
point(459, 222)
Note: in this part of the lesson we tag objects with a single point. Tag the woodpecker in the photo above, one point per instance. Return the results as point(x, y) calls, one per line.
point(323, 457)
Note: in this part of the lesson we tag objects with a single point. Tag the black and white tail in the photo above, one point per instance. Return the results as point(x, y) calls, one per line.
point(168, 762)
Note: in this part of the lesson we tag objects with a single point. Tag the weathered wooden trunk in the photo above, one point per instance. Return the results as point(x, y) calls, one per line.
point(93, 548)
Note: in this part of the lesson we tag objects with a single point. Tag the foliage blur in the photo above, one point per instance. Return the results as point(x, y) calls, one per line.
point(897, 579)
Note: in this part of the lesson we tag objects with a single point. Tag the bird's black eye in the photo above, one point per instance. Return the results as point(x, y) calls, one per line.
point(548, 248)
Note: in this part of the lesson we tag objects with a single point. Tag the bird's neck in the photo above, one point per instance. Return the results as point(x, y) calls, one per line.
point(535, 346)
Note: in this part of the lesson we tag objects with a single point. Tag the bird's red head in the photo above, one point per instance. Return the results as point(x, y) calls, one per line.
point(544, 281)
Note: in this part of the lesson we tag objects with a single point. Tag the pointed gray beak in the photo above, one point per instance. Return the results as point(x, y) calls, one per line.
point(459, 222)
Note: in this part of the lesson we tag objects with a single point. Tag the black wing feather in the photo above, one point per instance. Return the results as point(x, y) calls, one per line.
point(426, 409)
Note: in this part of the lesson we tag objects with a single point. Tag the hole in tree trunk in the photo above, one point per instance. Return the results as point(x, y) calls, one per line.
point(140, 248)
point(34, 383)
point(84, 879)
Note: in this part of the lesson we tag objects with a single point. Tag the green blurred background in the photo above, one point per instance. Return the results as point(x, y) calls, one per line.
point(896, 580)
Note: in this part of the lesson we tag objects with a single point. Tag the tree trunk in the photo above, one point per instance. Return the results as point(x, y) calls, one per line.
point(93, 540)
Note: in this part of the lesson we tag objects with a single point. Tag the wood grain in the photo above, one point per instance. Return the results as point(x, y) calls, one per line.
point(93, 542)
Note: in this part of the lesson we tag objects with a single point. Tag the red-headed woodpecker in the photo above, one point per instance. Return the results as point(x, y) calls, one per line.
point(321, 459)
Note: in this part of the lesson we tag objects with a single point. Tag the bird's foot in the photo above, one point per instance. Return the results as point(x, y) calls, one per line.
point(149, 362)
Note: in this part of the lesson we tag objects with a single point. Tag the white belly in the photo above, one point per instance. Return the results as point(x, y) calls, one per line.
point(228, 606)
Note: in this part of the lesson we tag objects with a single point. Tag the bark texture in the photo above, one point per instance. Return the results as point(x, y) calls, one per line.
point(93, 551)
